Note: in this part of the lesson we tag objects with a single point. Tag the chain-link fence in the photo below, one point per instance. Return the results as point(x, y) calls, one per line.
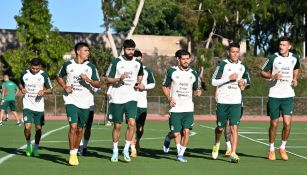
point(158, 105)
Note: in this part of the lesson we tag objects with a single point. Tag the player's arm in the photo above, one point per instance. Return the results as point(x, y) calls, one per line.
point(295, 77)
point(266, 71)
point(16, 90)
point(22, 85)
point(166, 87)
point(197, 85)
point(151, 82)
point(47, 86)
point(60, 79)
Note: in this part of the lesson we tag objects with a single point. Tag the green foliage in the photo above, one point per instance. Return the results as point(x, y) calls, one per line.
point(101, 57)
point(38, 38)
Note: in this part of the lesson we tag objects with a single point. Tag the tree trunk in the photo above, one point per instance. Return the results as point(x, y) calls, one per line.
point(136, 18)
point(211, 34)
point(108, 30)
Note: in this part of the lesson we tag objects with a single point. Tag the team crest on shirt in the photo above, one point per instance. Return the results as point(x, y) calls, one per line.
point(26, 79)
point(86, 70)
point(279, 62)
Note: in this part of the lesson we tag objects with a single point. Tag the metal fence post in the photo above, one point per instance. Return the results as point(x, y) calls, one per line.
point(55, 105)
point(210, 105)
point(262, 106)
point(159, 104)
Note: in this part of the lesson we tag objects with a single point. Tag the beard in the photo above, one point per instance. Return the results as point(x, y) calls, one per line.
point(128, 57)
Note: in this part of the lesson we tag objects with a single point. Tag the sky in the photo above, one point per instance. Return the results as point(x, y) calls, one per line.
point(67, 15)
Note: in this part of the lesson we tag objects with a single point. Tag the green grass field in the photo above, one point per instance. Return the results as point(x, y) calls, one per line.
point(152, 161)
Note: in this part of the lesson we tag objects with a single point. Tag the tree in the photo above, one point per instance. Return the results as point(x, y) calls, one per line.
point(38, 38)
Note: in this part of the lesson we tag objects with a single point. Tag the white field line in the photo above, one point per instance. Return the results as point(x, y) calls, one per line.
point(3, 159)
point(257, 141)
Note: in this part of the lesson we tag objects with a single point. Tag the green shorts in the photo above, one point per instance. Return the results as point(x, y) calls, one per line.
point(29, 116)
point(277, 106)
point(77, 115)
point(9, 105)
point(181, 120)
point(117, 111)
point(141, 116)
point(231, 112)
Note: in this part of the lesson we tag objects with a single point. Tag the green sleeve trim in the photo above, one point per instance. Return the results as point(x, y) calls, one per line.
point(141, 71)
point(168, 77)
point(246, 75)
point(21, 78)
point(150, 78)
point(62, 73)
point(219, 70)
point(47, 82)
point(297, 65)
point(268, 65)
point(95, 74)
point(111, 72)
point(196, 84)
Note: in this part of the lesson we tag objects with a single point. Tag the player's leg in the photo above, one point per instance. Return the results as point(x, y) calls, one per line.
point(131, 112)
point(287, 110)
point(221, 115)
point(274, 112)
point(235, 111)
point(28, 118)
point(187, 125)
point(116, 115)
point(12, 106)
point(87, 133)
point(72, 115)
point(227, 134)
point(39, 121)
point(1, 116)
point(140, 126)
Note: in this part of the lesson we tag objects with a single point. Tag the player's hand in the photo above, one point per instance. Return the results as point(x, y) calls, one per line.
point(233, 76)
point(242, 84)
point(68, 89)
point(123, 76)
point(40, 93)
point(140, 86)
point(85, 78)
point(277, 76)
point(294, 82)
point(24, 90)
point(172, 102)
point(197, 92)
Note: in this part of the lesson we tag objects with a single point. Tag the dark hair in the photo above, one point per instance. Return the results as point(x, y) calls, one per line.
point(80, 45)
point(137, 53)
point(234, 44)
point(36, 62)
point(129, 43)
point(181, 52)
point(285, 38)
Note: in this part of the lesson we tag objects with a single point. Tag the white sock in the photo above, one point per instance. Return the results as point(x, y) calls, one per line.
point(127, 145)
point(283, 144)
point(81, 143)
point(132, 147)
point(182, 150)
point(35, 146)
point(228, 145)
point(28, 142)
point(115, 146)
point(85, 142)
point(217, 144)
point(272, 148)
point(75, 150)
point(178, 146)
point(72, 152)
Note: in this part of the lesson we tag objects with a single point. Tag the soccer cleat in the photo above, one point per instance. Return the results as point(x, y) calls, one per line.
point(80, 151)
point(228, 153)
point(108, 123)
point(84, 151)
point(215, 152)
point(133, 153)
point(126, 156)
point(35, 153)
point(271, 155)
point(73, 160)
point(1, 124)
point(29, 150)
point(166, 145)
point(234, 158)
point(283, 154)
point(18, 123)
point(114, 157)
point(182, 159)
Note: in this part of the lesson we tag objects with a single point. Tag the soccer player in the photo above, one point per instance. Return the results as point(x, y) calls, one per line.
point(34, 84)
point(282, 69)
point(230, 77)
point(9, 92)
point(125, 75)
point(179, 84)
point(81, 76)
point(148, 82)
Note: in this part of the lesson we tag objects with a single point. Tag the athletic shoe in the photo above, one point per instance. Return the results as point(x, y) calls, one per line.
point(35, 153)
point(84, 151)
point(283, 154)
point(228, 153)
point(73, 160)
point(1, 124)
point(182, 159)
point(80, 150)
point(234, 158)
point(126, 156)
point(18, 123)
point(137, 146)
point(133, 153)
point(166, 145)
point(29, 150)
point(271, 155)
point(114, 157)
point(108, 123)
point(215, 152)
